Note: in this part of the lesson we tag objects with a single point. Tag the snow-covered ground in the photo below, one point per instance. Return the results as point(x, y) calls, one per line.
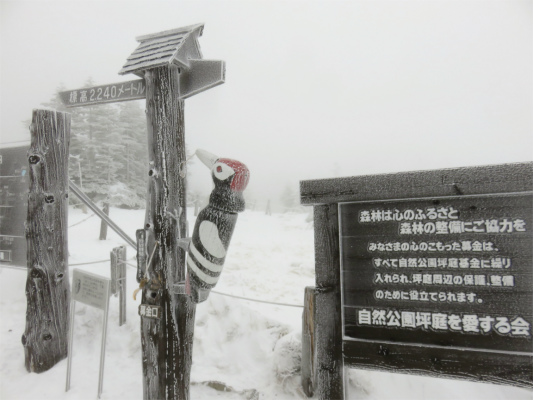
point(244, 345)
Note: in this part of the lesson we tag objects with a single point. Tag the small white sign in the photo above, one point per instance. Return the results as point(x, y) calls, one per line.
point(90, 289)
point(149, 311)
point(93, 290)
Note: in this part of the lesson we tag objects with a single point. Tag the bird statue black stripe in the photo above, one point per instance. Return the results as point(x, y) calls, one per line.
point(215, 224)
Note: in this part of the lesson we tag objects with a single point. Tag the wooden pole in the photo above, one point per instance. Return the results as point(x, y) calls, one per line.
point(308, 341)
point(103, 224)
point(329, 367)
point(47, 286)
point(166, 341)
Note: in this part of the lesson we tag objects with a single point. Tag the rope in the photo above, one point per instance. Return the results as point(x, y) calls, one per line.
point(14, 267)
point(257, 301)
point(83, 220)
point(17, 141)
point(212, 291)
point(88, 263)
point(128, 264)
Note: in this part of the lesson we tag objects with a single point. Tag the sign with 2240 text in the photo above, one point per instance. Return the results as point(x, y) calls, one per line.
point(111, 93)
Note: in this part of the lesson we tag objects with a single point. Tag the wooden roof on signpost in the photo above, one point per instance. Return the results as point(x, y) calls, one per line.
point(176, 46)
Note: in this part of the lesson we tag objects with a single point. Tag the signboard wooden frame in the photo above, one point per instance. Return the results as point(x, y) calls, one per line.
point(481, 356)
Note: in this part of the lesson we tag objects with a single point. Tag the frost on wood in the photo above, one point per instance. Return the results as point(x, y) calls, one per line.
point(166, 342)
point(308, 342)
point(329, 382)
point(47, 286)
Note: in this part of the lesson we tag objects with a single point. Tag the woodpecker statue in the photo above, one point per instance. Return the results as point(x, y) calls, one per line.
point(214, 226)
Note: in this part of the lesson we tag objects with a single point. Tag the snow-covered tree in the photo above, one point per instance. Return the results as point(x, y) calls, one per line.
point(288, 199)
point(108, 142)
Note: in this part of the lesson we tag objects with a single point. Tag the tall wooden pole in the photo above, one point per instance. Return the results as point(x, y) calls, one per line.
point(167, 341)
point(45, 339)
point(103, 224)
point(329, 369)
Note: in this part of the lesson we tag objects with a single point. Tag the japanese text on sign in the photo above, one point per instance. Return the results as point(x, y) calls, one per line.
point(114, 92)
point(146, 310)
point(90, 289)
point(437, 321)
point(449, 266)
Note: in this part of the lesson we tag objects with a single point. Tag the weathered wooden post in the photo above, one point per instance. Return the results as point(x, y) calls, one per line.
point(308, 342)
point(171, 66)
point(329, 369)
point(164, 112)
point(103, 224)
point(47, 287)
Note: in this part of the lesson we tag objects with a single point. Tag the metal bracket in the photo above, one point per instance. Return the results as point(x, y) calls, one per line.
point(184, 243)
point(179, 288)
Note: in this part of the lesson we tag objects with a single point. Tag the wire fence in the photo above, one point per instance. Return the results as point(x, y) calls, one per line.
point(135, 266)
point(83, 220)
point(212, 291)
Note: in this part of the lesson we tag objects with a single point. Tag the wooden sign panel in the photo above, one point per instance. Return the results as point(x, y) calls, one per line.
point(424, 272)
point(442, 271)
point(111, 93)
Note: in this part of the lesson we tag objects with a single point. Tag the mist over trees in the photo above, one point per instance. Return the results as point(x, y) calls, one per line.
point(108, 151)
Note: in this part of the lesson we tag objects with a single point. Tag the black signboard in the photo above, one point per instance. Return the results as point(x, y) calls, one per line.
point(440, 271)
point(423, 272)
point(14, 183)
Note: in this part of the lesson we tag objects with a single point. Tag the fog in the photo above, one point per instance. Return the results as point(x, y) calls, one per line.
point(313, 89)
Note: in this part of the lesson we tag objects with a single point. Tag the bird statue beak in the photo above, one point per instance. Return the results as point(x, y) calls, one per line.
point(207, 158)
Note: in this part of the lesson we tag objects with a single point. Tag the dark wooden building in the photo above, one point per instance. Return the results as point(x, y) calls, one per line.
point(14, 181)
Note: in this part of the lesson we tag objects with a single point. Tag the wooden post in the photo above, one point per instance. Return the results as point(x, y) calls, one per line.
point(45, 339)
point(118, 280)
point(328, 327)
point(196, 206)
point(103, 224)
point(166, 341)
point(308, 342)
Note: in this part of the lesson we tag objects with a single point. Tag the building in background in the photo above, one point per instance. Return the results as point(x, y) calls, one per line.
point(14, 181)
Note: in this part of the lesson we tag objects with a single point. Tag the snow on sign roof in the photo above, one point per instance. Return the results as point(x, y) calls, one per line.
point(176, 46)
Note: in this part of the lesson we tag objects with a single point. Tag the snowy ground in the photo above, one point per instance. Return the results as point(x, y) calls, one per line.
point(237, 342)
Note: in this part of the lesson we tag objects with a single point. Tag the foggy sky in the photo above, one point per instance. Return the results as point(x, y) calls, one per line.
point(313, 89)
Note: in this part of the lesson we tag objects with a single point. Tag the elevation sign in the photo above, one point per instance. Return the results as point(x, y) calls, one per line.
point(111, 93)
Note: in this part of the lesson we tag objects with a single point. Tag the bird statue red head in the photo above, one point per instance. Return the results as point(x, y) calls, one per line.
point(230, 177)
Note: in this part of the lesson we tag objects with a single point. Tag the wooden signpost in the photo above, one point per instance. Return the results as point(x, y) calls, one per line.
point(171, 65)
point(171, 69)
point(425, 272)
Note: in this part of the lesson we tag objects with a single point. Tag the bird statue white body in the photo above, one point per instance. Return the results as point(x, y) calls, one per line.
point(215, 224)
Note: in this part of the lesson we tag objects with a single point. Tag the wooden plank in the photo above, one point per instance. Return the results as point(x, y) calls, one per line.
point(110, 93)
point(308, 342)
point(202, 75)
point(440, 362)
point(328, 325)
point(502, 178)
point(47, 286)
